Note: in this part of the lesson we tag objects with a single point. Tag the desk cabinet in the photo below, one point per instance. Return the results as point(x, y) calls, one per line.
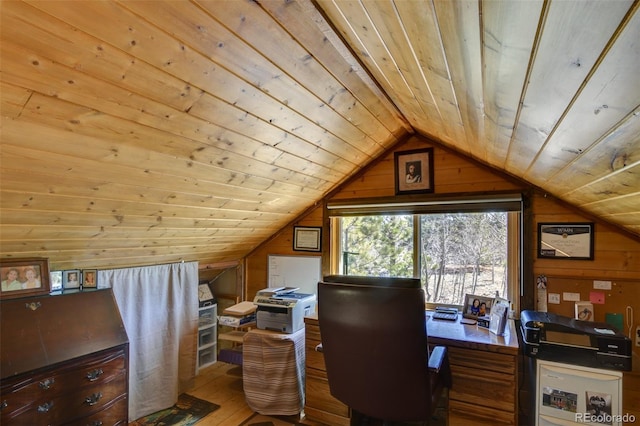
point(484, 387)
point(319, 404)
point(64, 361)
point(484, 369)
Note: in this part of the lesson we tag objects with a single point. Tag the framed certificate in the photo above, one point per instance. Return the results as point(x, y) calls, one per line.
point(307, 238)
point(565, 240)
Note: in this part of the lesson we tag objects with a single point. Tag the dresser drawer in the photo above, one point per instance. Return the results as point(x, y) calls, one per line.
point(61, 408)
point(113, 414)
point(50, 384)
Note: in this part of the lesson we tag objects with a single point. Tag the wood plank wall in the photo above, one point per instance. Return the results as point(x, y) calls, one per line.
point(617, 254)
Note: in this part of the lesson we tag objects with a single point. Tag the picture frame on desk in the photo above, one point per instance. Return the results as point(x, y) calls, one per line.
point(476, 306)
point(24, 277)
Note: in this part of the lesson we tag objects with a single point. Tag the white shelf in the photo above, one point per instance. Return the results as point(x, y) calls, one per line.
point(207, 351)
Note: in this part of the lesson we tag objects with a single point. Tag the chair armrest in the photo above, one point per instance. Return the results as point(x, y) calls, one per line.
point(437, 358)
point(318, 347)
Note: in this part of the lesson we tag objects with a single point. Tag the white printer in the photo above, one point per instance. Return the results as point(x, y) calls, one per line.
point(282, 309)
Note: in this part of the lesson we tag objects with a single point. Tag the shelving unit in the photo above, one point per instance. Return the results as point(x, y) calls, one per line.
point(233, 354)
point(207, 336)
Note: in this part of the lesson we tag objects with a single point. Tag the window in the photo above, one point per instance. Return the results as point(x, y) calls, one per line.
point(476, 250)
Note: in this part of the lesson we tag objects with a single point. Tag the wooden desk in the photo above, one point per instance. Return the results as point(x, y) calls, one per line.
point(484, 368)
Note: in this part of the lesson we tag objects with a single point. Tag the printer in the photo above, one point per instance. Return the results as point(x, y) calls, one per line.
point(282, 309)
point(557, 338)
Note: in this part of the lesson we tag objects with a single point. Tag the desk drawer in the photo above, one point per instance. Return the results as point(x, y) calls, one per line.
point(473, 385)
point(486, 360)
point(465, 414)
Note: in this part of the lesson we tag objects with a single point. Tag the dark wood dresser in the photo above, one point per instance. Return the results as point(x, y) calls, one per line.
point(64, 360)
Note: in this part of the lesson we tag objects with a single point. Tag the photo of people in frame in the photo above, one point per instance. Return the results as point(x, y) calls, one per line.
point(414, 171)
point(71, 279)
point(476, 306)
point(23, 277)
point(89, 278)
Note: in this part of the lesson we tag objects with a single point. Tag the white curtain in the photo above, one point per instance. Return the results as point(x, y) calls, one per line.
point(159, 307)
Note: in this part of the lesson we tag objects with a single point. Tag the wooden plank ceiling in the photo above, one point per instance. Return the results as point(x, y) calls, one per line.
point(143, 132)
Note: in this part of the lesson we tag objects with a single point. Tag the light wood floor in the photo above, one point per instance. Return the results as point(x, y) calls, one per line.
point(221, 384)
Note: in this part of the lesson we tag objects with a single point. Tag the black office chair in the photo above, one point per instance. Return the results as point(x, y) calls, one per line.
point(375, 348)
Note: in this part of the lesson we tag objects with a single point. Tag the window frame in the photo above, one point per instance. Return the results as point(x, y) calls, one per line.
point(512, 203)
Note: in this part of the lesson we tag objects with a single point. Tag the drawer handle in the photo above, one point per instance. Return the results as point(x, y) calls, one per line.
point(46, 384)
point(93, 399)
point(94, 374)
point(4, 404)
point(96, 423)
point(44, 408)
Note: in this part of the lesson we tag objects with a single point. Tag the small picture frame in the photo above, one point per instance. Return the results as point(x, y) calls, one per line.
point(307, 238)
point(414, 171)
point(71, 279)
point(476, 306)
point(89, 278)
point(56, 280)
point(24, 277)
point(566, 240)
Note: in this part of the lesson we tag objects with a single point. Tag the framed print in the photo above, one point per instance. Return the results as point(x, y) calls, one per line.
point(414, 171)
point(89, 278)
point(476, 306)
point(565, 240)
point(71, 279)
point(24, 277)
point(307, 238)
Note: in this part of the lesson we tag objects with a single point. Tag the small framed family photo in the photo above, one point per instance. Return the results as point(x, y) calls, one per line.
point(476, 306)
point(414, 171)
point(71, 279)
point(89, 278)
point(24, 277)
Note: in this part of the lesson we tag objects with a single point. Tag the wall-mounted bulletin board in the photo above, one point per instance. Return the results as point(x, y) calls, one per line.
point(623, 293)
point(295, 271)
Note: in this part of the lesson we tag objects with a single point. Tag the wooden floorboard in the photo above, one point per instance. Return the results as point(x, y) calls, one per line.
point(221, 384)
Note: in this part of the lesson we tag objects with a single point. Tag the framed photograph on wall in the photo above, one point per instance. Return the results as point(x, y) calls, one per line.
point(414, 171)
point(307, 238)
point(476, 306)
point(89, 278)
point(24, 277)
point(565, 240)
point(71, 279)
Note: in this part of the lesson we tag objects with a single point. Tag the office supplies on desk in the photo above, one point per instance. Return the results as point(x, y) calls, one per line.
point(448, 314)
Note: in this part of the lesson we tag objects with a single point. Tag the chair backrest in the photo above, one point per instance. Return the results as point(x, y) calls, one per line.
point(374, 281)
point(375, 349)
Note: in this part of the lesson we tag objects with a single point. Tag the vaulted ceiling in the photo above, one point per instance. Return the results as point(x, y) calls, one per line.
point(141, 132)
